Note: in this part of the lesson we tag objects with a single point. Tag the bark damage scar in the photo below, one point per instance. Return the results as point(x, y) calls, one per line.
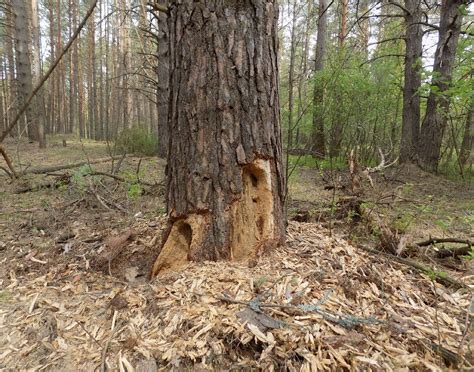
point(186, 236)
point(252, 214)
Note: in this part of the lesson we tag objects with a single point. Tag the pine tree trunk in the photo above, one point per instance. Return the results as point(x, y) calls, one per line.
point(163, 84)
point(319, 140)
point(337, 127)
point(467, 138)
point(437, 107)
point(38, 102)
point(91, 82)
point(225, 183)
point(411, 97)
point(23, 64)
point(12, 83)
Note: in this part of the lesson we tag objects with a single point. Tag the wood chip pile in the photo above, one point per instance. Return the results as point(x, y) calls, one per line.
point(316, 304)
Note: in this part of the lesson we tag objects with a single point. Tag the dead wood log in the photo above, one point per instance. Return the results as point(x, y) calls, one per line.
point(64, 179)
point(54, 168)
point(120, 179)
point(442, 278)
point(13, 173)
point(455, 252)
point(443, 240)
point(444, 252)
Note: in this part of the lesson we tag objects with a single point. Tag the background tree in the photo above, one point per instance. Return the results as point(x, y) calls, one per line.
point(437, 107)
point(319, 139)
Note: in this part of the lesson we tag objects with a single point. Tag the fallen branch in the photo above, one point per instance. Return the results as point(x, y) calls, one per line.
point(117, 330)
point(443, 240)
point(442, 278)
point(7, 172)
point(63, 179)
point(461, 251)
point(54, 168)
point(118, 178)
point(12, 173)
point(346, 321)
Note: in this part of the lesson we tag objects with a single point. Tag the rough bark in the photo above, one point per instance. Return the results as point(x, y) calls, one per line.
point(38, 103)
point(319, 140)
point(343, 23)
point(23, 64)
point(337, 126)
point(412, 84)
point(9, 50)
point(468, 138)
point(225, 182)
point(437, 107)
point(91, 81)
point(303, 72)
point(163, 76)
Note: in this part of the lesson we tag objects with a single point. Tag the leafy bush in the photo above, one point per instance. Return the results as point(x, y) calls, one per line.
point(136, 140)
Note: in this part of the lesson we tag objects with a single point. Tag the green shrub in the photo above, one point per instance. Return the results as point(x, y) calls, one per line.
point(136, 140)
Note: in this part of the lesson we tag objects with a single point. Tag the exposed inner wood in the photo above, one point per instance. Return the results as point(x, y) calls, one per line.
point(184, 237)
point(251, 218)
point(252, 214)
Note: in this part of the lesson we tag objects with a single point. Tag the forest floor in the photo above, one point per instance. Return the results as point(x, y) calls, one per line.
point(76, 247)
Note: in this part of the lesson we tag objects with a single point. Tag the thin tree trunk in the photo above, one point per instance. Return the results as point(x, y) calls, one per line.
point(72, 69)
point(468, 138)
point(163, 84)
point(51, 112)
point(411, 97)
point(225, 183)
point(364, 25)
point(437, 107)
point(343, 23)
point(91, 83)
point(319, 140)
point(23, 64)
point(38, 103)
point(337, 126)
point(12, 83)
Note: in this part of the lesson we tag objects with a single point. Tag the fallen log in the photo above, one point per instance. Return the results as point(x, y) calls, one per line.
point(443, 240)
point(460, 251)
point(440, 277)
point(54, 168)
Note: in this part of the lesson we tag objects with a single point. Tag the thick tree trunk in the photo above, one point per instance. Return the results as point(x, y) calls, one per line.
point(163, 75)
point(319, 140)
point(412, 84)
point(225, 182)
point(437, 107)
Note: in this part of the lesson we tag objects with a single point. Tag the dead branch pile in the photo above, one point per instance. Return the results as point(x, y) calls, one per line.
point(317, 303)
